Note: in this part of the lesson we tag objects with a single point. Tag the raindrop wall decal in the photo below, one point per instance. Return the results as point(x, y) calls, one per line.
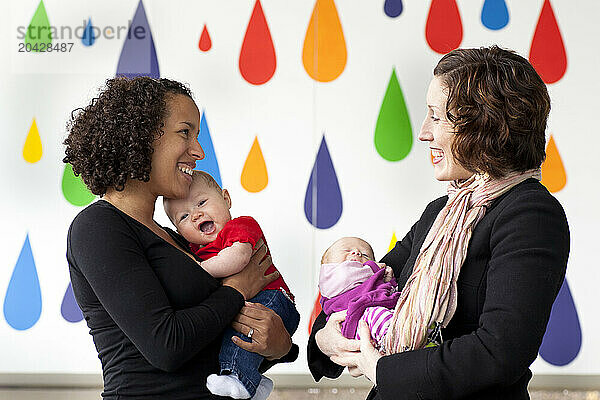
point(69, 308)
point(138, 56)
point(205, 43)
point(73, 188)
point(547, 53)
point(392, 242)
point(209, 163)
point(494, 14)
point(38, 31)
point(562, 340)
point(554, 176)
point(393, 132)
point(443, 30)
point(324, 53)
point(89, 36)
point(315, 313)
point(392, 8)
point(323, 200)
point(257, 57)
point(254, 174)
point(23, 300)
point(32, 150)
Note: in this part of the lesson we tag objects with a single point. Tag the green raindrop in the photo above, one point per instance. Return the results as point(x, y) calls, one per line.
point(74, 189)
point(393, 132)
point(39, 35)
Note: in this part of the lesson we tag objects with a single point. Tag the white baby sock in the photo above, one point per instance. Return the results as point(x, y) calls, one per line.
point(264, 389)
point(228, 385)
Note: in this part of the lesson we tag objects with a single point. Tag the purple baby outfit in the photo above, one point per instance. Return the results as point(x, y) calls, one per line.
point(373, 292)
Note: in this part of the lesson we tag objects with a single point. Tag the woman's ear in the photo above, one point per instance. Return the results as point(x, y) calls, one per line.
point(227, 198)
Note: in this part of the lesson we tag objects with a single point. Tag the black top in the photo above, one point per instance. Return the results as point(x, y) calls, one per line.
point(515, 265)
point(155, 315)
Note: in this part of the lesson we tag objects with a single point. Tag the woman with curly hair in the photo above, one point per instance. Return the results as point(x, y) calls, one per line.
point(479, 271)
point(155, 316)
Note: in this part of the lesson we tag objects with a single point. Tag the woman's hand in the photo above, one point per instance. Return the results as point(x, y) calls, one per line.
point(363, 361)
point(252, 279)
point(330, 339)
point(270, 339)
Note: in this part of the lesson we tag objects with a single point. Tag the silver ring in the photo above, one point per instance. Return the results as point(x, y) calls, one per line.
point(250, 333)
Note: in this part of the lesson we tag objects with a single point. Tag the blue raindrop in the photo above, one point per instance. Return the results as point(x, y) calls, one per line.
point(323, 200)
point(494, 14)
point(562, 340)
point(23, 300)
point(88, 37)
point(209, 163)
point(69, 308)
point(392, 8)
point(138, 57)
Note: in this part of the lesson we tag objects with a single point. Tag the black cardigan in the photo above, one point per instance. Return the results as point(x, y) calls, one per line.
point(515, 265)
point(156, 317)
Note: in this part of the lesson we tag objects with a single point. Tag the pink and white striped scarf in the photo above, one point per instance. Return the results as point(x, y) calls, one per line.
point(429, 296)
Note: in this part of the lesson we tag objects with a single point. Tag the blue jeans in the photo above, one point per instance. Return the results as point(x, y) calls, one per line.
point(244, 364)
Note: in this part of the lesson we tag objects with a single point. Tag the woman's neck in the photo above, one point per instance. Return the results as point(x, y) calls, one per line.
point(135, 200)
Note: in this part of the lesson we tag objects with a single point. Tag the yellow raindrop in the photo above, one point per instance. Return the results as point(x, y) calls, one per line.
point(553, 170)
point(254, 175)
point(32, 150)
point(324, 54)
point(392, 242)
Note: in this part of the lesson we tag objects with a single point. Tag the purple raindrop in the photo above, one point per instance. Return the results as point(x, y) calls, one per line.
point(323, 200)
point(393, 8)
point(138, 57)
point(562, 340)
point(69, 308)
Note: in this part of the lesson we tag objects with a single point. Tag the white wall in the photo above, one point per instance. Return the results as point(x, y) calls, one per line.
point(289, 114)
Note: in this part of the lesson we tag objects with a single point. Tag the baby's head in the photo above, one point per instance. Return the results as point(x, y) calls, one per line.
point(201, 215)
point(348, 249)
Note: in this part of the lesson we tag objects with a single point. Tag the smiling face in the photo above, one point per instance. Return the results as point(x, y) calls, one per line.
point(348, 249)
point(201, 215)
point(438, 131)
point(177, 149)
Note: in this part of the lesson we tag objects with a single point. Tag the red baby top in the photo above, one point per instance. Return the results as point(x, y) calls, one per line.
point(244, 230)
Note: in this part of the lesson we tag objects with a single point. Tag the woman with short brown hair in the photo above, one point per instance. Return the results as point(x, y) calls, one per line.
point(479, 271)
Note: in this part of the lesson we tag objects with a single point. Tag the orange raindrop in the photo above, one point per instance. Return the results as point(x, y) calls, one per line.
point(324, 54)
point(32, 150)
point(553, 170)
point(254, 174)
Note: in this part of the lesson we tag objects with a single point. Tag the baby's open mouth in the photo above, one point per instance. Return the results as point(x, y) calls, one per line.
point(207, 227)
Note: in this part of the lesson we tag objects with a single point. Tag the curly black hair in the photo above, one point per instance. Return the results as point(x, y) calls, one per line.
point(111, 140)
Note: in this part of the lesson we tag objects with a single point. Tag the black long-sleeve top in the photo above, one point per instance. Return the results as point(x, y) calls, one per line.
point(515, 265)
point(156, 317)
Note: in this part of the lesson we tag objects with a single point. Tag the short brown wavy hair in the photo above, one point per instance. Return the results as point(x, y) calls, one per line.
point(498, 106)
point(111, 139)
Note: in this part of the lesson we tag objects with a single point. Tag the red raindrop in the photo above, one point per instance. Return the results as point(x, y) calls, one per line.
point(257, 57)
point(443, 30)
point(204, 43)
point(315, 313)
point(547, 53)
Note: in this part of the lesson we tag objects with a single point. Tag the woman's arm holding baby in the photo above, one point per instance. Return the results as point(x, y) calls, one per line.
point(228, 261)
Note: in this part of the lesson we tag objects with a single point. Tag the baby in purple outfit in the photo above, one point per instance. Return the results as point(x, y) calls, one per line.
point(351, 280)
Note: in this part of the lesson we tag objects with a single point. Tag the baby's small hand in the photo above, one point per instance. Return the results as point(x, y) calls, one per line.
point(389, 272)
